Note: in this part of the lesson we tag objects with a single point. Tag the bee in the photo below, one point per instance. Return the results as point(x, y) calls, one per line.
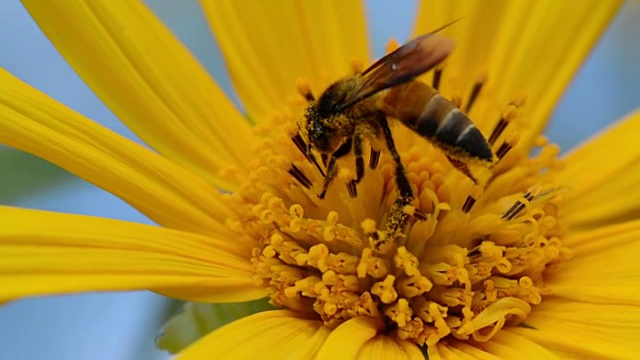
point(358, 107)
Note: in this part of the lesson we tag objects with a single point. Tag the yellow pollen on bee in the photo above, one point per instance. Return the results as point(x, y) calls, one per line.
point(470, 260)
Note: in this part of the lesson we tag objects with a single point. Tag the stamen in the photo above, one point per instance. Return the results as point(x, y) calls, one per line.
point(374, 158)
point(304, 89)
point(352, 189)
point(471, 199)
point(415, 212)
point(519, 205)
point(540, 141)
point(437, 75)
point(468, 204)
point(305, 149)
point(300, 176)
point(419, 214)
point(477, 87)
point(301, 145)
point(508, 144)
point(508, 115)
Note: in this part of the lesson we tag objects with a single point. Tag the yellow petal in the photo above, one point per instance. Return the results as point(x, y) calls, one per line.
point(162, 190)
point(149, 80)
point(524, 48)
point(268, 45)
point(383, 346)
point(507, 345)
point(584, 330)
point(457, 350)
point(277, 334)
point(347, 340)
point(604, 268)
point(46, 253)
point(602, 176)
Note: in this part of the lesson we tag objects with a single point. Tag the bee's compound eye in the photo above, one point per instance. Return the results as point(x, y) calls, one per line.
point(321, 138)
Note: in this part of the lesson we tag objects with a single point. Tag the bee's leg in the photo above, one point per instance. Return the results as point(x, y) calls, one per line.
point(397, 216)
point(312, 158)
point(357, 150)
point(332, 166)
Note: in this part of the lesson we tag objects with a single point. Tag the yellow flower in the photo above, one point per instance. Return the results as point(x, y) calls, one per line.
point(540, 261)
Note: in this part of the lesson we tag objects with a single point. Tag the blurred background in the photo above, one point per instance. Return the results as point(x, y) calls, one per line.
point(124, 325)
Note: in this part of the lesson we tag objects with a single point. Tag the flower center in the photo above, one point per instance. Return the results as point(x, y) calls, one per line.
point(471, 259)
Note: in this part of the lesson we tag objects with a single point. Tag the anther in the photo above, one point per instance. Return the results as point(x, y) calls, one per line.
point(475, 91)
point(508, 115)
point(352, 188)
point(305, 149)
point(508, 144)
point(301, 145)
point(518, 206)
point(437, 75)
point(419, 214)
point(468, 204)
point(300, 176)
point(304, 89)
point(374, 158)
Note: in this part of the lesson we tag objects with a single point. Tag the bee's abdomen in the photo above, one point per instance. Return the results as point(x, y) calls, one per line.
point(425, 111)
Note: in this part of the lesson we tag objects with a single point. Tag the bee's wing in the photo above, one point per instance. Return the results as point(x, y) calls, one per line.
point(408, 61)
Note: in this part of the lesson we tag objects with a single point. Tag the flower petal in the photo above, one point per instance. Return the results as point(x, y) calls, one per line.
point(267, 46)
point(383, 346)
point(603, 176)
point(604, 268)
point(504, 345)
point(584, 330)
point(276, 334)
point(162, 190)
point(507, 345)
point(523, 48)
point(149, 80)
point(457, 350)
point(47, 253)
point(348, 339)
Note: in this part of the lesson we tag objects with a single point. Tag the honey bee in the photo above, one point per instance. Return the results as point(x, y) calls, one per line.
point(357, 108)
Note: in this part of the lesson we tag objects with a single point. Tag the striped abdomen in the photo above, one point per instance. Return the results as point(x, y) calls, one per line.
point(422, 109)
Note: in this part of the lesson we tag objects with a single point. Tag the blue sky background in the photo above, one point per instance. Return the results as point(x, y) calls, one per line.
point(123, 325)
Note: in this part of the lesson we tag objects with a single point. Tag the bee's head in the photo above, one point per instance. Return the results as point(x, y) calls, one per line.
point(323, 117)
point(320, 133)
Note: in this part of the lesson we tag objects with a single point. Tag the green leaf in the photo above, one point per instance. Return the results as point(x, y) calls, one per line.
point(22, 174)
point(197, 320)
